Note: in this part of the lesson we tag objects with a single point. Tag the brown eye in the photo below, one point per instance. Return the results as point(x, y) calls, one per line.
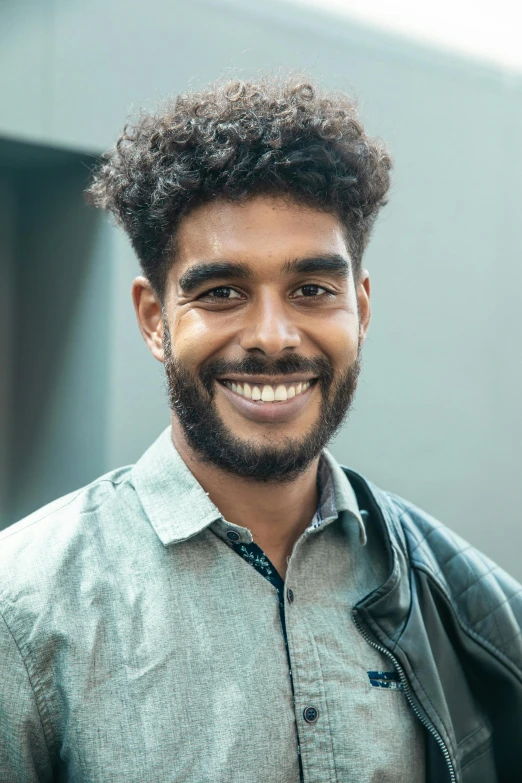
point(223, 292)
point(310, 289)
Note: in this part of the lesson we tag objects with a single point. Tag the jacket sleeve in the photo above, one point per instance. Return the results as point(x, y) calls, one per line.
point(24, 755)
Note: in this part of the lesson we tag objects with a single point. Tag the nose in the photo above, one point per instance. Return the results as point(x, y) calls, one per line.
point(270, 327)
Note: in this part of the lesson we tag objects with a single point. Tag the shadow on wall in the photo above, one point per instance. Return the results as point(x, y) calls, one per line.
point(54, 257)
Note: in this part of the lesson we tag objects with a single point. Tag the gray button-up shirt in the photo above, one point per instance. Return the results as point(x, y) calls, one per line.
point(136, 645)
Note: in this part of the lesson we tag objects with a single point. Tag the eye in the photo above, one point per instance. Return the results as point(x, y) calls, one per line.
point(223, 292)
point(310, 290)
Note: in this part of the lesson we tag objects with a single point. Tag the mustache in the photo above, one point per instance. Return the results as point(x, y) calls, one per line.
point(319, 366)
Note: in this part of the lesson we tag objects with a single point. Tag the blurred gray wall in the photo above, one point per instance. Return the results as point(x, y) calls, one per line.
point(437, 415)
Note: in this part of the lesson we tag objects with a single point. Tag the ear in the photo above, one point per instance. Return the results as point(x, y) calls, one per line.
point(363, 299)
point(148, 314)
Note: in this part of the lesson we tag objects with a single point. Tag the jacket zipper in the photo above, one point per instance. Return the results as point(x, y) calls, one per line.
point(407, 690)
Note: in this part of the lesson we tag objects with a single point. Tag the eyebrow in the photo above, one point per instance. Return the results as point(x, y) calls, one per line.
point(332, 263)
point(203, 273)
point(200, 274)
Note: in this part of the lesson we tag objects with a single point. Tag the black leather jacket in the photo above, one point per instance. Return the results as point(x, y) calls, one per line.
point(450, 620)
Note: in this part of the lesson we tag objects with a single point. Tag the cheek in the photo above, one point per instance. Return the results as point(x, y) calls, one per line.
point(193, 338)
point(338, 339)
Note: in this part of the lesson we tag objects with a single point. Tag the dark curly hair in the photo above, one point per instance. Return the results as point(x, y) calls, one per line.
point(233, 140)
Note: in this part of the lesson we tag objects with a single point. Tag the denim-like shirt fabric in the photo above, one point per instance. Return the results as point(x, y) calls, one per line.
point(254, 555)
point(136, 645)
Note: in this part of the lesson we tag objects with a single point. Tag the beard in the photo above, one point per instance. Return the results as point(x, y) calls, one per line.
point(276, 459)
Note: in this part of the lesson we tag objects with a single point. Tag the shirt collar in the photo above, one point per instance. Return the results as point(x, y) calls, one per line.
point(337, 496)
point(178, 507)
point(176, 504)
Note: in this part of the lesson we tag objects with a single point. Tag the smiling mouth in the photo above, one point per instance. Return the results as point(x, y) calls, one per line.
point(280, 392)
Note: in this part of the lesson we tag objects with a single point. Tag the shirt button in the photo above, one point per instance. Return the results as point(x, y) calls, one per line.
point(310, 714)
point(232, 535)
point(290, 595)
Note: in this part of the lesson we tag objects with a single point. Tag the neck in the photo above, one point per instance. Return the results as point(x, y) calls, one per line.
point(275, 513)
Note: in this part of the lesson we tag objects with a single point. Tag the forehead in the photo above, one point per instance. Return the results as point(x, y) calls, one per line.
point(256, 232)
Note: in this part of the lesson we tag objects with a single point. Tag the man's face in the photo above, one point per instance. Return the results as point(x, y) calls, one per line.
point(262, 328)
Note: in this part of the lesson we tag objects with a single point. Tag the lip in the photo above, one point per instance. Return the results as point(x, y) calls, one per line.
point(255, 410)
point(270, 380)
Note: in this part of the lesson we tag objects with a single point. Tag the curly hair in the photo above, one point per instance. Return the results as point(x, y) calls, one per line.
point(234, 140)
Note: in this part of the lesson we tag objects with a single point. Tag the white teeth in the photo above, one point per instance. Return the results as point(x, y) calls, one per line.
point(281, 393)
point(267, 395)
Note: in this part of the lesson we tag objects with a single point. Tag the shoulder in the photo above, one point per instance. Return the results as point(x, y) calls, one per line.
point(47, 543)
point(49, 518)
point(486, 600)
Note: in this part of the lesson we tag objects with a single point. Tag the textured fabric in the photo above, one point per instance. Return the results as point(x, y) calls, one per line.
point(326, 512)
point(136, 645)
point(255, 556)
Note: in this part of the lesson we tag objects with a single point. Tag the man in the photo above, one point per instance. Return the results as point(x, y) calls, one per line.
point(237, 606)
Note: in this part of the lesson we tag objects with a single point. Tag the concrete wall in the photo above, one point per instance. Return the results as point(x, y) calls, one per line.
point(437, 414)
